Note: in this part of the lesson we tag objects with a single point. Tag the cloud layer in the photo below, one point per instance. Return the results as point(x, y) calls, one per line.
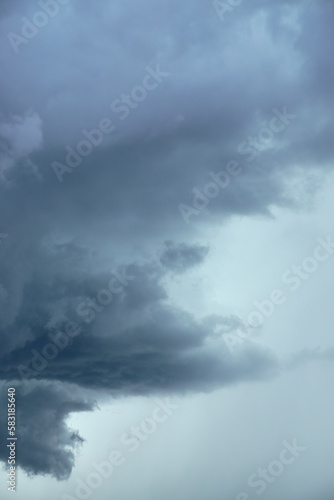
point(254, 89)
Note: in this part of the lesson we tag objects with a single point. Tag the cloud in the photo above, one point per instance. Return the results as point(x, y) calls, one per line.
point(119, 207)
point(20, 136)
point(308, 355)
point(46, 444)
point(137, 345)
point(179, 258)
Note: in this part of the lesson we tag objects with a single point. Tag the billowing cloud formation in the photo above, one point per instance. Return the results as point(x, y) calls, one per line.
point(164, 100)
point(113, 332)
point(129, 342)
point(47, 445)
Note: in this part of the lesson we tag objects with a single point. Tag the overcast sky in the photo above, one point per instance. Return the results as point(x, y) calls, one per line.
point(167, 248)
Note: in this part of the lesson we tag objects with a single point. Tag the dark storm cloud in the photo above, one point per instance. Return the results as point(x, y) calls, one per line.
point(46, 444)
point(136, 345)
point(181, 257)
point(121, 203)
point(189, 125)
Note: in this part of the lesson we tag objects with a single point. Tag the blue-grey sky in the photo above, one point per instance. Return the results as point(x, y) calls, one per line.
point(166, 248)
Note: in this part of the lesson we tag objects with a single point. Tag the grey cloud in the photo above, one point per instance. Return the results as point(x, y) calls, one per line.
point(121, 203)
point(20, 136)
point(181, 257)
point(223, 324)
point(137, 345)
point(46, 445)
point(222, 118)
point(308, 355)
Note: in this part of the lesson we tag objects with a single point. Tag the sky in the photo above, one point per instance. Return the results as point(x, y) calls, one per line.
point(166, 248)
